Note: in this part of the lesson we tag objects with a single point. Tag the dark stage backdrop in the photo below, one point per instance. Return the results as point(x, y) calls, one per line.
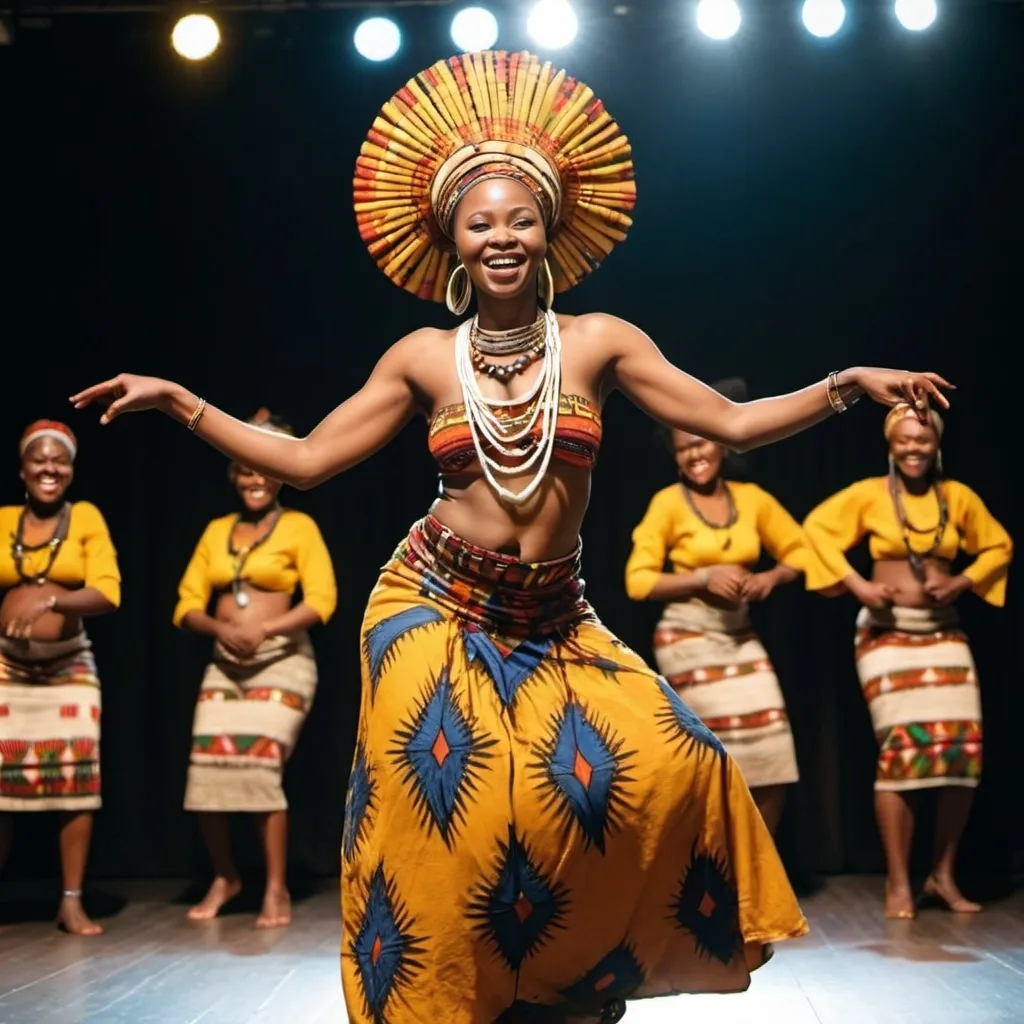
point(802, 207)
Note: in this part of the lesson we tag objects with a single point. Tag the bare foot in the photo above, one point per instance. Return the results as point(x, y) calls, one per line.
point(899, 903)
point(220, 892)
point(945, 889)
point(276, 911)
point(71, 918)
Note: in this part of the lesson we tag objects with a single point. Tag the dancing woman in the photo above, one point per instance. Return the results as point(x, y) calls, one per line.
point(712, 532)
point(913, 660)
point(536, 823)
point(259, 686)
point(57, 567)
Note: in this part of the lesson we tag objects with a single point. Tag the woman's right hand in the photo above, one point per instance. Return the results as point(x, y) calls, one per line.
point(127, 392)
point(871, 594)
point(726, 581)
point(241, 640)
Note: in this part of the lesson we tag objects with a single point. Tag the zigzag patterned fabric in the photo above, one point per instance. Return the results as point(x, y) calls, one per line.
point(474, 116)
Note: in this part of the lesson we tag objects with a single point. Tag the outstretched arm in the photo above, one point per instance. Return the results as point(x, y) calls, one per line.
point(351, 433)
point(678, 400)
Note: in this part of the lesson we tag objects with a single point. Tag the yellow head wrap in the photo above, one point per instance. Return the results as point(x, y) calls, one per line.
point(902, 411)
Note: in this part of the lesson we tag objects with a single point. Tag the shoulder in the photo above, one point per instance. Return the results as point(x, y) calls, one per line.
point(750, 493)
point(299, 521)
point(417, 346)
point(87, 514)
point(867, 489)
point(667, 500)
point(219, 526)
point(10, 512)
point(957, 491)
point(602, 327)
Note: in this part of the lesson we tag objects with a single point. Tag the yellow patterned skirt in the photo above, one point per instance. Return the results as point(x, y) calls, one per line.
point(535, 821)
point(49, 725)
point(247, 720)
point(918, 678)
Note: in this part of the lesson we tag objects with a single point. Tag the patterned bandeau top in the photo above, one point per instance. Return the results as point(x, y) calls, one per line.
point(577, 438)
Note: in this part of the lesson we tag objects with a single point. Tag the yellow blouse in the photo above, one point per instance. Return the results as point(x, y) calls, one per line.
point(294, 553)
point(865, 508)
point(671, 530)
point(86, 558)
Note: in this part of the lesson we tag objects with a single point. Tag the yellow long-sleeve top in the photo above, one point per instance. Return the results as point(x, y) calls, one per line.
point(87, 557)
point(671, 530)
point(866, 509)
point(294, 553)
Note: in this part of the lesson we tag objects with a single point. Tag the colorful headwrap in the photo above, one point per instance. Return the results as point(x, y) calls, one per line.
point(49, 428)
point(486, 115)
point(902, 411)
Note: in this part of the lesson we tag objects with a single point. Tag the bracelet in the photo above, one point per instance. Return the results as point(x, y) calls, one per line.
point(702, 576)
point(197, 415)
point(835, 399)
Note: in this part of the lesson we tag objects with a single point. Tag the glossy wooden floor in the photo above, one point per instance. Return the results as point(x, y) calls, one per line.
point(855, 967)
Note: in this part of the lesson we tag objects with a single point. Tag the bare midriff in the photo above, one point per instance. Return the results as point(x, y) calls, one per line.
point(263, 605)
point(49, 626)
point(908, 590)
point(546, 527)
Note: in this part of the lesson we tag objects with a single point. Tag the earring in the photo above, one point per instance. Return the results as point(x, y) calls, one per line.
point(457, 296)
point(938, 462)
point(546, 285)
point(892, 465)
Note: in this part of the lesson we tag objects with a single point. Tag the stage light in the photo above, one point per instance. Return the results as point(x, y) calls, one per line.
point(195, 36)
point(823, 18)
point(916, 15)
point(552, 24)
point(378, 39)
point(474, 28)
point(718, 19)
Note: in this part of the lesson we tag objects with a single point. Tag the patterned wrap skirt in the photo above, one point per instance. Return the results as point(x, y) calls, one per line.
point(49, 725)
point(919, 680)
point(535, 821)
point(247, 721)
point(715, 661)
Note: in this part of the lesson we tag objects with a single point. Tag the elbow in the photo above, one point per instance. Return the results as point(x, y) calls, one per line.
point(638, 588)
point(304, 474)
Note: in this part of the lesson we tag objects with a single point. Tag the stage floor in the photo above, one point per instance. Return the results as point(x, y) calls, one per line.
point(855, 967)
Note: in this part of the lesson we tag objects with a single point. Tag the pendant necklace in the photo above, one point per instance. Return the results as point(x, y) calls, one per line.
point(19, 547)
point(730, 519)
point(917, 559)
point(241, 555)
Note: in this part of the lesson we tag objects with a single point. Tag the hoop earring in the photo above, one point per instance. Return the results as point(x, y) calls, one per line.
point(457, 296)
point(546, 285)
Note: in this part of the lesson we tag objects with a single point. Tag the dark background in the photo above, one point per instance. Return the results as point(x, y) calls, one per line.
point(802, 207)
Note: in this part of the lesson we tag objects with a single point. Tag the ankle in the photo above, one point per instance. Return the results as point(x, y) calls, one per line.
point(71, 896)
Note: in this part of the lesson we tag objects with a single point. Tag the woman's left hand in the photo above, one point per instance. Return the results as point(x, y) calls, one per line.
point(890, 387)
point(758, 586)
point(20, 628)
point(945, 590)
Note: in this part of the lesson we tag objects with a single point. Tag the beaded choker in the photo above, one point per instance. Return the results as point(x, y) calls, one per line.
point(528, 343)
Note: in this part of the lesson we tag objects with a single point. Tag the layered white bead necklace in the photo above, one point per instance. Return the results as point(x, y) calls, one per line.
point(504, 434)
